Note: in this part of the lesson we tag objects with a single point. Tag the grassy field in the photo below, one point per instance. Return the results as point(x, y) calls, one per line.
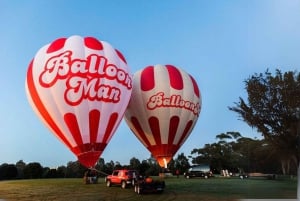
point(176, 190)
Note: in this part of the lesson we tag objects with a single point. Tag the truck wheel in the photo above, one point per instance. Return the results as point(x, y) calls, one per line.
point(123, 184)
point(108, 183)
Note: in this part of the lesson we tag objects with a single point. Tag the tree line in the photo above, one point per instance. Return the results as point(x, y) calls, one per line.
point(231, 151)
point(272, 108)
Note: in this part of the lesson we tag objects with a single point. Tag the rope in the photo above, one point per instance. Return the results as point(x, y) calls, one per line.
point(99, 171)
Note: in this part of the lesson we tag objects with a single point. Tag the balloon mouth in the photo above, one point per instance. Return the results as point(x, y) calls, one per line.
point(89, 159)
point(163, 161)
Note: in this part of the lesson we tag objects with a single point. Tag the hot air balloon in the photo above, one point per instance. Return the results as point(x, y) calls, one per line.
point(164, 107)
point(80, 88)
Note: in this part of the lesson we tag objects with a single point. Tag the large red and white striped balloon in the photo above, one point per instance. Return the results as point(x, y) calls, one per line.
point(80, 88)
point(163, 110)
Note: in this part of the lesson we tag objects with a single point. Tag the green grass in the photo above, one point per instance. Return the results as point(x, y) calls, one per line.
point(176, 190)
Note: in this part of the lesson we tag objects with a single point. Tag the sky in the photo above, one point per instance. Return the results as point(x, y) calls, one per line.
point(220, 43)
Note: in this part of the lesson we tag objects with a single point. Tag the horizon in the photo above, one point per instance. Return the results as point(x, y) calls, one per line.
point(219, 43)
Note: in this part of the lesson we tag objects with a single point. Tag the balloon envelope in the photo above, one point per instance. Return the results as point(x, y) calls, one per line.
point(163, 109)
point(80, 88)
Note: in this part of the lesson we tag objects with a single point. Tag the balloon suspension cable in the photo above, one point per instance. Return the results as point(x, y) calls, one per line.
point(99, 171)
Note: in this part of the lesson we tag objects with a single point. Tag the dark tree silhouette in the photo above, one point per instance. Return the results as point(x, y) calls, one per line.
point(273, 108)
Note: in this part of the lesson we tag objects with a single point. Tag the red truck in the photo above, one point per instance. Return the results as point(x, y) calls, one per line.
point(122, 177)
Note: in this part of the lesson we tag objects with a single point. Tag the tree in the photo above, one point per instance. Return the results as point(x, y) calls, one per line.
point(100, 164)
point(20, 165)
point(50, 173)
point(118, 165)
point(253, 155)
point(75, 170)
point(61, 171)
point(237, 154)
point(273, 108)
point(134, 163)
point(149, 167)
point(46, 170)
point(144, 167)
point(110, 166)
point(33, 171)
point(8, 171)
point(219, 155)
point(181, 163)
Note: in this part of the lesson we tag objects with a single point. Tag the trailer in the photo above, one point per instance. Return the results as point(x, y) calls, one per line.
point(148, 185)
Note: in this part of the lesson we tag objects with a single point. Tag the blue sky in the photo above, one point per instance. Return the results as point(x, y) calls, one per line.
point(221, 43)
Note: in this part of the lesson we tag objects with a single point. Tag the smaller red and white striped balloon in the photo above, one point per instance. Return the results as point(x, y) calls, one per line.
point(163, 110)
point(80, 88)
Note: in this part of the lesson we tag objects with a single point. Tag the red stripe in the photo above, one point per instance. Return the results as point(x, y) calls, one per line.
point(154, 126)
point(185, 132)
point(121, 56)
point(56, 45)
point(176, 80)
point(147, 79)
point(94, 118)
point(174, 121)
point(111, 123)
point(140, 132)
point(93, 43)
point(72, 123)
point(164, 150)
point(99, 146)
point(196, 89)
point(41, 107)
